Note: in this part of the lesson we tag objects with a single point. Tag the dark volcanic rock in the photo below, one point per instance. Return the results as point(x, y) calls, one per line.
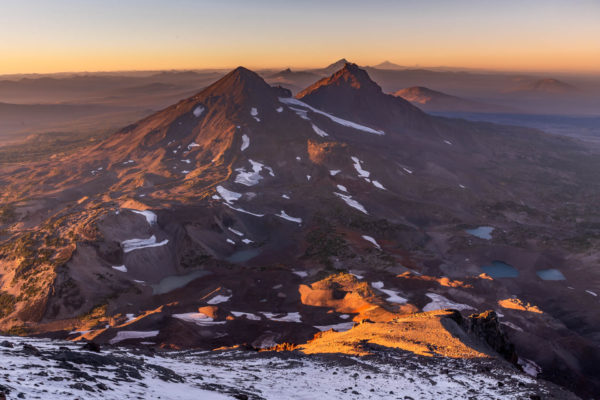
point(487, 327)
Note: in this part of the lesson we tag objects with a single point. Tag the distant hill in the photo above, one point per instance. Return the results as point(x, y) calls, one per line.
point(432, 100)
point(547, 85)
point(388, 65)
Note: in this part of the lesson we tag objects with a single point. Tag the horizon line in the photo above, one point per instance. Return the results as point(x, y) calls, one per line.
point(450, 68)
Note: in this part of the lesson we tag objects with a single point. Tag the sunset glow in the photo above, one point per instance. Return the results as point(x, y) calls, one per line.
point(68, 35)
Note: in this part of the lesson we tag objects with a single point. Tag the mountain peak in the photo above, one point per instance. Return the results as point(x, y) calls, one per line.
point(352, 94)
point(243, 75)
point(349, 77)
point(387, 65)
point(240, 84)
point(336, 65)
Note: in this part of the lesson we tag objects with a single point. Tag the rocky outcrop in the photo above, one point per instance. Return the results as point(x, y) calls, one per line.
point(487, 327)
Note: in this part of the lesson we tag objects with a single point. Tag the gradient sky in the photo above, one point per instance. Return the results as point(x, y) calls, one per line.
point(100, 35)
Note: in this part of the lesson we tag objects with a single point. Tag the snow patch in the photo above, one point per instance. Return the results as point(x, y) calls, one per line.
point(124, 335)
point(198, 111)
point(197, 318)
point(244, 211)
point(511, 325)
point(228, 195)
point(121, 268)
point(439, 302)
point(292, 101)
point(341, 327)
point(334, 172)
point(253, 177)
point(393, 296)
point(250, 316)
point(301, 113)
point(371, 240)
point(138, 244)
point(351, 202)
point(289, 218)
point(358, 167)
point(378, 185)
point(529, 367)
point(218, 299)
point(235, 231)
point(245, 142)
point(289, 317)
point(319, 131)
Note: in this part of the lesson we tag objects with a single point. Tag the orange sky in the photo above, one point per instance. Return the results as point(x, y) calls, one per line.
point(68, 35)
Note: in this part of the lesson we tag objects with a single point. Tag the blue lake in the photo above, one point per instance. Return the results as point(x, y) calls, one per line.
point(499, 269)
point(177, 281)
point(482, 232)
point(243, 255)
point(551, 274)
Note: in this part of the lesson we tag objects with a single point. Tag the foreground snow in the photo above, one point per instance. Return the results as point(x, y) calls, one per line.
point(45, 369)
